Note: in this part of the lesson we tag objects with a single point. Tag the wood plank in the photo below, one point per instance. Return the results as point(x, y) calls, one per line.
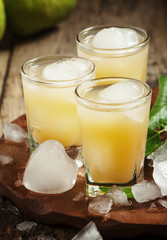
point(5, 55)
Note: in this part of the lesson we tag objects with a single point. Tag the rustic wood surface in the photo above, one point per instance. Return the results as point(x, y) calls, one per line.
point(14, 51)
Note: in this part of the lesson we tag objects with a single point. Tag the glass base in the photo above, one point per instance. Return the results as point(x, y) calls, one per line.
point(94, 189)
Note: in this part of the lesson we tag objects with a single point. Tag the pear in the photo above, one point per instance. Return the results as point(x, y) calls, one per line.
point(26, 17)
point(2, 19)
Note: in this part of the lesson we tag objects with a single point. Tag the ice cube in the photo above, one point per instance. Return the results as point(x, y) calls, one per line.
point(153, 205)
point(100, 205)
point(161, 151)
point(88, 232)
point(116, 38)
point(160, 173)
point(163, 202)
point(13, 132)
point(19, 181)
point(26, 226)
point(146, 191)
point(50, 170)
point(150, 164)
point(159, 158)
point(118, 196)
point(81, 171)
point(79, 197)
point(152, 208)
point(5, 159)
point(122, 92)
point(67, 69)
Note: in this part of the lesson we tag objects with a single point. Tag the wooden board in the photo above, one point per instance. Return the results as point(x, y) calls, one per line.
point(61, 209)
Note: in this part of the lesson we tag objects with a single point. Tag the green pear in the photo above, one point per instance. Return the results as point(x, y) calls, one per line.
point(2, 19)
point(26, 17)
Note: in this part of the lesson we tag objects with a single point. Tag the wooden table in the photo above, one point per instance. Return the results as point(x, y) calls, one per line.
point(14, 51)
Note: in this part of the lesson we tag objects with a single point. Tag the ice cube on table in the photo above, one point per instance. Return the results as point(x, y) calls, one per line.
point(26, 226)
point(118, 196)
point(5, 159)
point(100, 205)
point(161, 151)
point(67, 69)
point(116, 38)
point(79, 197)
point(163, 202)
point(152, 208)
point(14, 133)
point(160, 174)
point(159, 158)
point(89, 232)
point(146, 191)
point(50, 170)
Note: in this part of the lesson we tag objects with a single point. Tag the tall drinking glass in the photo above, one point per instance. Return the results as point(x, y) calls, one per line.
point(113, 115)
point(50, 102)
point(128, 61)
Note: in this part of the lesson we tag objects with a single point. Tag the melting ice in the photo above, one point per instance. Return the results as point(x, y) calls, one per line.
point(26, 226)
point(160, 168)
point(67, 69)
point(125, 92)
point(5, 159)
point(13, 132)
point(100, 205)
point(79, 197)
point(122, 92)
point(88, 232)
point(118, 196)
point(50, 170)
point(116, 38)
point(146, 191)
point(163, 202)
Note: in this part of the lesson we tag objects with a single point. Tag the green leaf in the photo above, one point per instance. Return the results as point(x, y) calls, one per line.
point(104, 189)
point(153, 141)
point(128, 191)
point(158, 112)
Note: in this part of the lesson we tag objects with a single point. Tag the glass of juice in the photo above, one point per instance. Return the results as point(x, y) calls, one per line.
point(48, 84)
point(116, 51)
point(113, 115)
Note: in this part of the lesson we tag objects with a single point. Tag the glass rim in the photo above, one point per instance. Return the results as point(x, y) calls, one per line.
point(113, 51)
point(56, 83)
point(110, 106)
